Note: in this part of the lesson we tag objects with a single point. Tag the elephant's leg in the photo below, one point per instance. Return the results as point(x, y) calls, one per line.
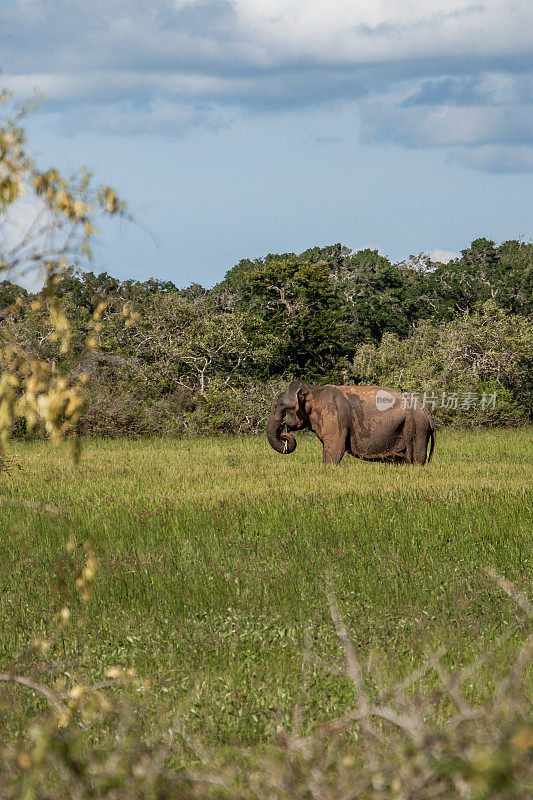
point(409, 436)
point(420, 446)
point(334, 449)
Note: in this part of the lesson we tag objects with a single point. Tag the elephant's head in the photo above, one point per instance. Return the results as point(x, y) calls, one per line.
point(289, 410)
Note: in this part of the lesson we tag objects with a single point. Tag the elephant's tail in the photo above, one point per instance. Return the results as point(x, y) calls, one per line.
point(432, 445)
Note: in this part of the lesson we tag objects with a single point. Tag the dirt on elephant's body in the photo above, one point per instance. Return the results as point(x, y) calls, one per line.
point(385, 431)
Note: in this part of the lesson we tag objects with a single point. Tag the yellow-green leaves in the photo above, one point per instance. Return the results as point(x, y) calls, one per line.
point(32, 387)
point(131, 316)
point(109, 201)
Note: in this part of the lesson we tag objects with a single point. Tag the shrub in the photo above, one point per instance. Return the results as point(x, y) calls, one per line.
point(484, 352)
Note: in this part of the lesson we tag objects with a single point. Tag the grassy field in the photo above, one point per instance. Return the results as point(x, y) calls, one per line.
point(214, 557)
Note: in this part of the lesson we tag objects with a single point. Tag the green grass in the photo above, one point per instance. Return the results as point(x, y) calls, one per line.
point(214, 556)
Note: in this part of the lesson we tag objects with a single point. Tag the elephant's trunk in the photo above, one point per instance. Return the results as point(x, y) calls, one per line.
point(281, 442)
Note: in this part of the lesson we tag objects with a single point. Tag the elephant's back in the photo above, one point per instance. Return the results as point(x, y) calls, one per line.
point(374, 397)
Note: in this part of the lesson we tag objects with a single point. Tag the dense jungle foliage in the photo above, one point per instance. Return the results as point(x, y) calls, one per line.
point(198, 361)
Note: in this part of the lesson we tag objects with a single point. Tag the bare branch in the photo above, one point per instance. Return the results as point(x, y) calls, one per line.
point(510, 589)
point(49, 509)
point(54, 701)
point(353, 671)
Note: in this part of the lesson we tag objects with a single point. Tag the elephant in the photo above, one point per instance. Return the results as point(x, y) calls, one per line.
point(369, 422)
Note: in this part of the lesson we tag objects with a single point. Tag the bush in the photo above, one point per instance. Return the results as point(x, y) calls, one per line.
point(220, 410)
point(482, 353)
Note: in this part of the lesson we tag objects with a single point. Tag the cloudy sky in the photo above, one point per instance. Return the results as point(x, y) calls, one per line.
point(235, 128)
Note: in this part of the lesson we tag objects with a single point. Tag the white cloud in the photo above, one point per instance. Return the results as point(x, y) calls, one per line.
point(31, 280)
point(116, 85)
point(32, 9)
point(20, 238)
point(17, 221)
point(368, 31)
point(163, 118)
point(443, 256)
point(444, 73)
point(500, 159)
point(445, 125)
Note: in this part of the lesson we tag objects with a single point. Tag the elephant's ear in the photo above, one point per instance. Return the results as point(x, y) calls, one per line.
point(300, 397)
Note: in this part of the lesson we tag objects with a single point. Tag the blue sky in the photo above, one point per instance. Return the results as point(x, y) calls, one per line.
point(235, 128)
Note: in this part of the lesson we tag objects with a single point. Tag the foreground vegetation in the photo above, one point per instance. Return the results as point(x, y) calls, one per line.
point(214, 558)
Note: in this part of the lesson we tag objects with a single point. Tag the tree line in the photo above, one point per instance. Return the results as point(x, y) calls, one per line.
point(168, 361)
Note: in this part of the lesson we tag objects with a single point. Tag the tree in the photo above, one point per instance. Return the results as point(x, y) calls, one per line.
point(378, 297)
point(294, 306)
point(484, 271)
point(31, 387)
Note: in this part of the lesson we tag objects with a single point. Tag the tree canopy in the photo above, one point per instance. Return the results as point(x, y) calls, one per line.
point(199, 360)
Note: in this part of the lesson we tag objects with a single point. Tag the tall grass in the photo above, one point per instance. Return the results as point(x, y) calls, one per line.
point(213, 558)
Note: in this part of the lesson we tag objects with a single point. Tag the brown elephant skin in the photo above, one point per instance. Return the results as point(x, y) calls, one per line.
point(368, 422)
